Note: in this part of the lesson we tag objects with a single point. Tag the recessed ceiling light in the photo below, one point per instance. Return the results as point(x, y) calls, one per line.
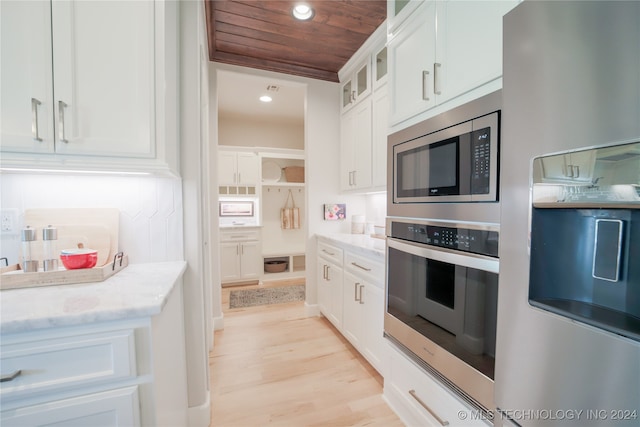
point(303, 12)
point(265, 98)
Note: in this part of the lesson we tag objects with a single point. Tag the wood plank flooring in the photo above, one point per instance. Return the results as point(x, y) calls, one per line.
point(272, 365)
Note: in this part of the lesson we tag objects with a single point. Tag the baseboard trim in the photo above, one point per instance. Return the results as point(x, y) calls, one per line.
point(200, 416)
point(311, 310)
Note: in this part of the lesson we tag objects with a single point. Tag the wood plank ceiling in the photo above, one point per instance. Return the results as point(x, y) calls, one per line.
point(263, 34)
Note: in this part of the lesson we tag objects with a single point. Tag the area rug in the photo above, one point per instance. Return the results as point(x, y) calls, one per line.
point(252, 297)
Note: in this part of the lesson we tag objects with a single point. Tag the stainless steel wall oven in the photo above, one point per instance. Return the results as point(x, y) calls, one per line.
point(442, 245)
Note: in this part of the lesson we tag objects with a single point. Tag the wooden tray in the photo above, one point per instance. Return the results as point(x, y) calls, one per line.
point(12, 277)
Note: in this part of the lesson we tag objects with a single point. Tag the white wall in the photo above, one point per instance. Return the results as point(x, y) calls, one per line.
point(243, 131)
point(150, 209)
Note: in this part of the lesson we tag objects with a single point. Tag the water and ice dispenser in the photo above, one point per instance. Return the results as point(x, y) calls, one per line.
point(585, 237)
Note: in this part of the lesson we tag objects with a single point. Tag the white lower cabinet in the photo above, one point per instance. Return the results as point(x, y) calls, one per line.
point(351, 296)
point(330, 276)
point(420, 400)
point(103, 374)
point(240, 256)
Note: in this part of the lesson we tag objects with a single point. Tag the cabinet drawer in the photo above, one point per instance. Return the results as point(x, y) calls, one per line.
point(56, 364)
point(330, 252)
point(428, 401)
point(368, 268)
point(239, 236)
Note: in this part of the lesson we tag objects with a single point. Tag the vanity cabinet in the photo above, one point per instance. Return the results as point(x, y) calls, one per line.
point(330, 276)
point(79, 92)
point(238, 168)
point(443, 50)
point(240, 256)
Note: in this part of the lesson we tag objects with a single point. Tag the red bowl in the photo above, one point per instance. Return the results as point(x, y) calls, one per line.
point(73, 259)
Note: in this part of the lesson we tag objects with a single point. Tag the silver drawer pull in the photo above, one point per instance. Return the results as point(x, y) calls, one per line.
point(327, 252)
point(355, 264)
point(10, 376)
point(61, 106)
point(429, 410)
point(34, 119)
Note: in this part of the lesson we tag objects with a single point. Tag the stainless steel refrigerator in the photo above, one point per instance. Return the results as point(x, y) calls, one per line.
point(571, 94)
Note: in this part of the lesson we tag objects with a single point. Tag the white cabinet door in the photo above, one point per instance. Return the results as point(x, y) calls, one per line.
point(411, 58)
point(26, 79)
point(352, 312)
point(380, 129)
point(250, 260)
point(330, 291)
point(118, 407)
point(104, 77)
point(374, 348)
point(227, 167)
point(468, 45)
point(229, 261)
point(248, 169)
point(355, 147)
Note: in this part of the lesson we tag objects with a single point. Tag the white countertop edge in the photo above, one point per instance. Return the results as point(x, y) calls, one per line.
point(361, 243)
point(140, 290)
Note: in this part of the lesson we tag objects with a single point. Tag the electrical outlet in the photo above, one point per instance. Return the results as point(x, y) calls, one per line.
point(8, 221)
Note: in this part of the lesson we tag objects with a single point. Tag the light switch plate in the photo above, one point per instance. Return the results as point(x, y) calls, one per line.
point(9, 221)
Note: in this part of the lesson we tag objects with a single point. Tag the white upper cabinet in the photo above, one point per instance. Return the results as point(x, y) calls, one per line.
point(443, 50)
point(357, 87)
point(356, 148)
point(87, 80)
point(238, 168)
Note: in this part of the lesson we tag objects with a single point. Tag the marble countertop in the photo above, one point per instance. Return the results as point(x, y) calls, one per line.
point(140, 290)
point(362, 243)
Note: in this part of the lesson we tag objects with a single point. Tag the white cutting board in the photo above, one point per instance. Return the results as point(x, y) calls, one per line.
point(94, 228)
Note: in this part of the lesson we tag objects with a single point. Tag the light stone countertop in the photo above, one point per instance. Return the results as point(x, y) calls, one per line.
point(140, 290)
point(361, 243)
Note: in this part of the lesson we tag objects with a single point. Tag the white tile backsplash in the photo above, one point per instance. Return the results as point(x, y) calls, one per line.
point(150, 209)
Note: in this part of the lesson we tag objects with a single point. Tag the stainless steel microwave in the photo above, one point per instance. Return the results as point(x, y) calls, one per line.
point(455, 163)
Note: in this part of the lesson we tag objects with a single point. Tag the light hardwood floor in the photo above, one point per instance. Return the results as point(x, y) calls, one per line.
point(272, 365)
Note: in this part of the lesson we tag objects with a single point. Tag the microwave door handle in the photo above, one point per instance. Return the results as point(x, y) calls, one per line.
point(478, 262)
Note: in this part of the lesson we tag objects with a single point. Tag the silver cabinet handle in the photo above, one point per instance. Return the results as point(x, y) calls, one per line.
point(436, 80)
point(570, 171)
point(577, 172)
point(10, 375)
point(354, 178)
point(350, 178)
point(61, 106)
point(353, 96)
point(239, 177)
point(235, 175)
point(34, 119)
point(328, 278)
point(324, 272)
point(361, 299)
point(429, 410)
point(355, 264)
point(425, 90)
point(355, 291)
point(327, 252)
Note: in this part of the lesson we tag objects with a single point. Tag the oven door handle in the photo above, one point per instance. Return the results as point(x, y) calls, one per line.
point(479, 262)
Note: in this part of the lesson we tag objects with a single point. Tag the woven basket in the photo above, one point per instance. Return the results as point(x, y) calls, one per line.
point(294, 173)
point(275, 266)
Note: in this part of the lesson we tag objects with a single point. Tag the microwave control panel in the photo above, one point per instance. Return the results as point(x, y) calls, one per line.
point(483, 242)
point(480, 160)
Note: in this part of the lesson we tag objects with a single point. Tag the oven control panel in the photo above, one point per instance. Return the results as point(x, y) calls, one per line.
point(483, 242)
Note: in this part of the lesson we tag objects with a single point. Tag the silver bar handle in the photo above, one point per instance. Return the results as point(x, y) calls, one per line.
point(354, 178)
point(360, 299)
point(436, 80)
point(570, 171)
point(355, 291)
point(61, 106)
point(324, 273)
point(239, 177)
point(429, 410)
point(328, 278)
point(353, 96)
point(425, 90)
point(355, 264)
point(577, 171)
point(34, 119)
point(10, 376)
point(327, 252)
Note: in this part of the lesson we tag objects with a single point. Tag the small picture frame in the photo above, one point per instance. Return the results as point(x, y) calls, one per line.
point(243, 208)
point(335, 211)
